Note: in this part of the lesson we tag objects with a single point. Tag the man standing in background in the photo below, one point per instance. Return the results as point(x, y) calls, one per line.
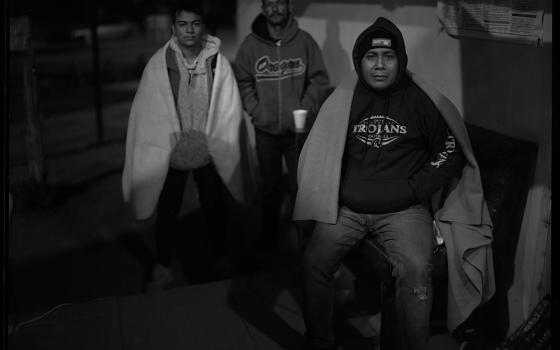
point(279, 68)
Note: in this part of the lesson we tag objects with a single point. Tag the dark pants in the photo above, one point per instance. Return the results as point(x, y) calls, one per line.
point(270, 151)
point(211, 193)
point(408, 238)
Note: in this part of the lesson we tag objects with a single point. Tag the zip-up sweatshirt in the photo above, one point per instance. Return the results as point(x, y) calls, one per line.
point(399, 150)
point(277, 76)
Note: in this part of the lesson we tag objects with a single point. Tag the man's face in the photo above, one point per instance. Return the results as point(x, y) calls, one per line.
point(189, 29)
point(380, 67)
point(276, 11)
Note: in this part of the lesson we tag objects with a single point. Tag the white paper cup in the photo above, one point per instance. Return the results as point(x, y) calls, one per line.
point(299, 119)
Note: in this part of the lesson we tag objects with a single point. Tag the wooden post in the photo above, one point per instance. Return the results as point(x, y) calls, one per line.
point(20, 40)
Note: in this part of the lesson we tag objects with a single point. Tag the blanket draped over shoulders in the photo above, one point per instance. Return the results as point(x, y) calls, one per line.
point(154, 125)
point(463, 219)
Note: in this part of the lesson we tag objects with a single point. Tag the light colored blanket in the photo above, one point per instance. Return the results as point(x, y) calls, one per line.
point(153, 128)
point(463, 220)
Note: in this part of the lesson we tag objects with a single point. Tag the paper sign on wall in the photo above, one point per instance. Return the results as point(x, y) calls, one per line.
point(517, 20)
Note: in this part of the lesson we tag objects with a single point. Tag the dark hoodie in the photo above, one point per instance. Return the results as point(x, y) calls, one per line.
point(276, 77)
point(399, 150)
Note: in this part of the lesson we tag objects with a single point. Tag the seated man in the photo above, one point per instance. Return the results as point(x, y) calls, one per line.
point(380, 155)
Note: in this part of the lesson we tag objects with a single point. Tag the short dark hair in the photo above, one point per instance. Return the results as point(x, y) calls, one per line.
point(187, 6)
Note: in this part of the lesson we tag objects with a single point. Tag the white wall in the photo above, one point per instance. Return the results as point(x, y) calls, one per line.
point(501, 86)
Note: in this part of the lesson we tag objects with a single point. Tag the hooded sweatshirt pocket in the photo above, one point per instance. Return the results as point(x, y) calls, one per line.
point(376, 196)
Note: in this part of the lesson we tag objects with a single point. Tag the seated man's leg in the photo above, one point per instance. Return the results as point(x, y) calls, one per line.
point(409, 241)
point(323, 254)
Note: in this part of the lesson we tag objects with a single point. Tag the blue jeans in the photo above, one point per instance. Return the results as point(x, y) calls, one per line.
point(408, 238)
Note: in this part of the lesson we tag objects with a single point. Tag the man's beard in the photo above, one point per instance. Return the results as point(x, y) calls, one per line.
point(278, 20)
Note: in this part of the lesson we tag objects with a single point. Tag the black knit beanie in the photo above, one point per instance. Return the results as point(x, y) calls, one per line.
point(377, 38)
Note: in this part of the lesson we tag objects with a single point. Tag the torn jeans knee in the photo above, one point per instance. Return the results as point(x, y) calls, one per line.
point(421, 293)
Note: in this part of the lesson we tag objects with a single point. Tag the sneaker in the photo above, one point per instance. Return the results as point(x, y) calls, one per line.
point(162, 277)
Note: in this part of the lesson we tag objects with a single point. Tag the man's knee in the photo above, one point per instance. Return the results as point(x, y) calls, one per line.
point(312, 256)
point(414, 272)
point(316, 259)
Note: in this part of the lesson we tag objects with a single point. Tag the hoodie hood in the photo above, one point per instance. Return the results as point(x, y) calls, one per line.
point(385, 26)
point(260, 29)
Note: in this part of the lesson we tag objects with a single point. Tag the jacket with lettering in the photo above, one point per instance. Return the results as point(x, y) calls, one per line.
point(399, 150)
point(276, 77)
